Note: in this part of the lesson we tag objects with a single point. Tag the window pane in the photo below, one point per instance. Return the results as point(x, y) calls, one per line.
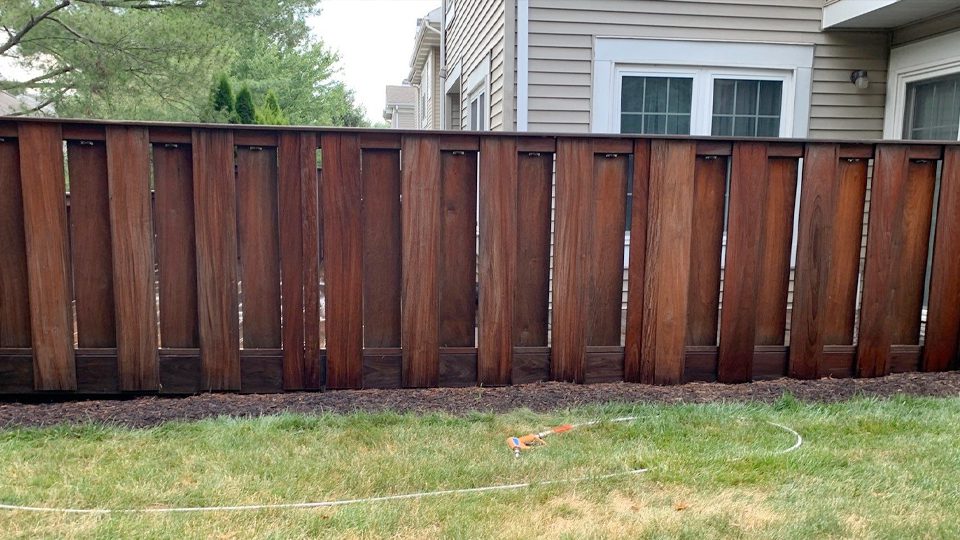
point(746, 108)
point(656, 105)
point(681, 95)
point(723, 96)
point(655, 99)
point(933, 109)
point(631, 123)
point(631, 94)
point(746, 101)
point(770, 97)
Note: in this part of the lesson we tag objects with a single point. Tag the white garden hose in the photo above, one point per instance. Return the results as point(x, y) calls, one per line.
point(344, 502)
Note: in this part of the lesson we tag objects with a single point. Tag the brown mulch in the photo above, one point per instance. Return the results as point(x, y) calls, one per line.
point(150, 411)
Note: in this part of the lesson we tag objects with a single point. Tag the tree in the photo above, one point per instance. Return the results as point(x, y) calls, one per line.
point(222, 103)
point(245, 111)
point(270, 112)
point(152, 59)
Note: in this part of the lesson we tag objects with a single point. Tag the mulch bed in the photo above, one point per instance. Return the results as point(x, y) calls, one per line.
point(150, 411)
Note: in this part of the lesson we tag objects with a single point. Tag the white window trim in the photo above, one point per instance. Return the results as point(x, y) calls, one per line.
point(927, 59)
point(479, 83)
point(791, 63)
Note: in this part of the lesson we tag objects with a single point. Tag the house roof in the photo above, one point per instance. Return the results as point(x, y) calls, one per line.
point(427, 38)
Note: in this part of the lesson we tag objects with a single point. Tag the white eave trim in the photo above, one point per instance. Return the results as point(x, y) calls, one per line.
point(842, 11)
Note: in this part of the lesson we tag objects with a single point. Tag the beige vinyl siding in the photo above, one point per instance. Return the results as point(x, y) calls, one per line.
point(562, 33)
point(940, 24)
point(431, 120)
point(478, 31)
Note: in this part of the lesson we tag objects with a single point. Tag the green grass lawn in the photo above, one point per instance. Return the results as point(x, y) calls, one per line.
point(884, 469)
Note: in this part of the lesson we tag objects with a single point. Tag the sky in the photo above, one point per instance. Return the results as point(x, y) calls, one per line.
point(375, 41)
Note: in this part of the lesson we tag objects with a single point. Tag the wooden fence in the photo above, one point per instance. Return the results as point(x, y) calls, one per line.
point(192, 258)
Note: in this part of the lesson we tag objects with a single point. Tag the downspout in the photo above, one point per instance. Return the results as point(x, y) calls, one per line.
point(523, 62)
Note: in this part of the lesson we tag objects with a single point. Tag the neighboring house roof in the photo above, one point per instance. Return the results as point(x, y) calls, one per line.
point(428, 37)
point(399, 97)
point(11, 104)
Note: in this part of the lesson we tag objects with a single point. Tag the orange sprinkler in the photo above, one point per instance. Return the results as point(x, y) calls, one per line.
point(534, 439)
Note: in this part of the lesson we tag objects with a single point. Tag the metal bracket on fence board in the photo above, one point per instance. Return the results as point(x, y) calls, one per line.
point(86, 143)
point(611, 156)
point(920, 161)
point(171, 145)
point(711, 158)
point(256, 148)
point(853, 160)
point(533, 154)
point(458, 153)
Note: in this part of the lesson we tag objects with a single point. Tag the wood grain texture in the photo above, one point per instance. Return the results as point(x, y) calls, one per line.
point(846, 235)
point(706, 244)
point(458, 234)
point(813, 257)
point(669, 232)
point(215, 208)
point(420, 325)
point(48, 256)
point(343, 259)
point(92, 257)
point(381, 249)
point(131, 225)
point(777, 242)
point(942, 345)
point(532, 293)
point(176, 245)
point(311, 210)
point(571, 258)
point(14, 291)
point(745, 250)
point(499, 190)
point(897, 238)
point(633, 343)
point(293, 162)
point(605, 281)
point(259, 247)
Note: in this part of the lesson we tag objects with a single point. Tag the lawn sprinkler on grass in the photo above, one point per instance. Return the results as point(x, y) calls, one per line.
point(526, 442)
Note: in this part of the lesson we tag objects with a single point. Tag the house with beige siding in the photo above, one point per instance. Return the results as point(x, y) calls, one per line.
point(400, 109)
point(834, 69)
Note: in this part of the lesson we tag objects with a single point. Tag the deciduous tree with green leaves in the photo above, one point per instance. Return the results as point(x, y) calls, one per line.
point(154, 59)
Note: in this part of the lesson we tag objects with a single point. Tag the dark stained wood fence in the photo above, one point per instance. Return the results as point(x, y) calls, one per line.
point(186, 258)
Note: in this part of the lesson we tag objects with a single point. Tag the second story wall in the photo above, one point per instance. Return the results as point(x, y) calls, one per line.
point(476, 39)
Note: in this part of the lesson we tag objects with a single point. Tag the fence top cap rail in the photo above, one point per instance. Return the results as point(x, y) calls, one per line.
point(9, 122)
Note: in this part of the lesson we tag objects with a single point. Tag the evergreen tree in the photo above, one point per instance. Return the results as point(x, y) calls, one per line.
point(270, 112)
point(222, 103)
point(245, 111)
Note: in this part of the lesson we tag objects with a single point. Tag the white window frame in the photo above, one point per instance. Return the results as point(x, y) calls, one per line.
point(928, 59)
point(701, 108)
point(706, 60)
point(479, 83)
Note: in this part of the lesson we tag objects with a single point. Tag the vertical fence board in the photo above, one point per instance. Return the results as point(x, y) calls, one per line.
point(259, 247)
point(499, 189)
point(774, 270)
point(637, 267)
point(292, 164)
point(912, 252)
point(131, 225)
point(532, 292)
point(215, 200)
point(381, 248)
point(14, 295)
point(813, 257)
point(669, 224)
point(458, 234)
point(846, 235)
point(343, 258)
point(311, 210)
point(420, 325)
point(706, 243)
point(900, 201)
point(605, 282)
point(176, 246)
point(91, 247)
point(571, 258)
point(745, 250)
point(942, 346)
point(47, 248)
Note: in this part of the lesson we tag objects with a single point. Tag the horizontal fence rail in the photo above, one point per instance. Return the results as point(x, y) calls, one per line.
point(178, 259)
